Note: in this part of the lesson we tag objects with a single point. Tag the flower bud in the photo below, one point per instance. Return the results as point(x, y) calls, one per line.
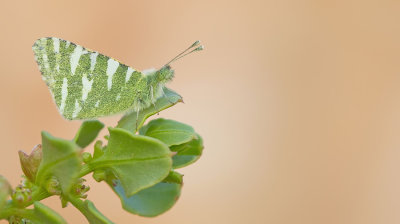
point(30, 163)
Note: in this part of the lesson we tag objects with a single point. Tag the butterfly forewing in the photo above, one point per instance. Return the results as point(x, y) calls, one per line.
point(84, 83)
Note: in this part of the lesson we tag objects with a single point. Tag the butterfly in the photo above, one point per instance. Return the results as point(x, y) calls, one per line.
point(86, 84)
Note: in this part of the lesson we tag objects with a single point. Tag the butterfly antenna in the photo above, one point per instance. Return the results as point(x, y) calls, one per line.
point(183, 53)
point(196, 49)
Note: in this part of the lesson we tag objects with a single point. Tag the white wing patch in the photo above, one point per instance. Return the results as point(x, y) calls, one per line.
point(112, 66)
point(129, 74)
point(64, 94)
point(93, 57)
point(97, 103)
point(74, 59)
point(87, 87)
point(56, 45)
point(75, 56)
point(77, 109)
point(43, 49)
point(45, 60)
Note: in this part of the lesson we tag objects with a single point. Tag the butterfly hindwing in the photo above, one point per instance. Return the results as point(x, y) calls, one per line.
point(84, 83)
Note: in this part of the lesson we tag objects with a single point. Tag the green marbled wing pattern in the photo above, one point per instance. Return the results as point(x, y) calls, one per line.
point(86, 84)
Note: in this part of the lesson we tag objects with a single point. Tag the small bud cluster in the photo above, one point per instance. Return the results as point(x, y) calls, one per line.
point(80, 189)
point(21, 194)
point(18, 220)
point(53, 186)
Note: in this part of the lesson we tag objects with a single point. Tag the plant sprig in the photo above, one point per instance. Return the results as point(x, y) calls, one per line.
point(138, 163)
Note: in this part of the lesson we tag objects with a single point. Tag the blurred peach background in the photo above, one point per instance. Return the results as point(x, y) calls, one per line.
point(298, 102)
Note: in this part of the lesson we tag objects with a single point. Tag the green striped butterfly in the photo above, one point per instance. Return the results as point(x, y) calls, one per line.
point(86, 84)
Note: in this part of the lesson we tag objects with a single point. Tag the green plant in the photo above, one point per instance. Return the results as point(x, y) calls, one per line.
point(138, 163)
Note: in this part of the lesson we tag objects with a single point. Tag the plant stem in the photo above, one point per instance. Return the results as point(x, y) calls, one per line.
point(38, 195)
point(77, 203)
point(86, 169)
point(20, 212)
point(88, 210)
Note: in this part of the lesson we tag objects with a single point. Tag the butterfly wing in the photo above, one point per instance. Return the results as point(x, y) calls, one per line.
point(86, 84)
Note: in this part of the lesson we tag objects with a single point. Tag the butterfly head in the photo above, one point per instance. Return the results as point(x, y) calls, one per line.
point(165, 74)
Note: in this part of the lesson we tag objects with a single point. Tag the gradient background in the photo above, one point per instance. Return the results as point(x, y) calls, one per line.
point(298, 102)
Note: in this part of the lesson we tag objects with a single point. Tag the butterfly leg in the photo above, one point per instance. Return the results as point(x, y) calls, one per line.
point(137, 118)
point(152, 96)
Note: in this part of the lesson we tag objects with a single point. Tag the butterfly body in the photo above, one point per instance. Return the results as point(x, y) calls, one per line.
point(86, 84)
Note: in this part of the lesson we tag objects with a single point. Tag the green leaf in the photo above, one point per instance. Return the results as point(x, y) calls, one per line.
point(88, 132)
point(132, 122)
point(45, 215)
point(137, 161)
point(88, 209)
point(5, 191)
point(168, 131)
point(187, 153)
point(60, 159)
point(151, 201)
point(94, 216)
